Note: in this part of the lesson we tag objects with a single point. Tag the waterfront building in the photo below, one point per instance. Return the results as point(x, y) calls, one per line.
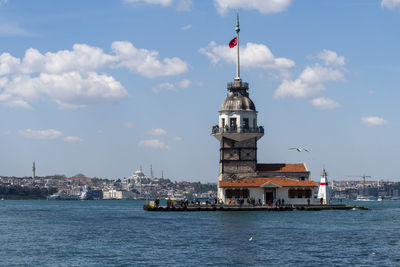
point(238, 132)
point(118, 194)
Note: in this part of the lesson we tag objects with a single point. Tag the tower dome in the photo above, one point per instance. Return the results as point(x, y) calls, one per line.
point(237, 101)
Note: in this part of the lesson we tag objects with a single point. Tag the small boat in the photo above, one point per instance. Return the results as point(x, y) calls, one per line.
point(62, 196)
point(365, 198)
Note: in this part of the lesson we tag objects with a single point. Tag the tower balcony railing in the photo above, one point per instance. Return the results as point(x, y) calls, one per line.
point(235, 129)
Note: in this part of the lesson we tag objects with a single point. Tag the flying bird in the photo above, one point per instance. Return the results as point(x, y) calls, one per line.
point(251, 238)
point(299, 149)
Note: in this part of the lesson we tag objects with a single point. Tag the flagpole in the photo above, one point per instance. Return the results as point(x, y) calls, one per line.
point(237, 35)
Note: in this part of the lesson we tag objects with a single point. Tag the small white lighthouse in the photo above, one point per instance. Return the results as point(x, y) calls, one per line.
point(323, 192)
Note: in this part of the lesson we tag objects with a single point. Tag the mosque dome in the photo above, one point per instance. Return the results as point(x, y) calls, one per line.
point(139, 173)
point(237, 101)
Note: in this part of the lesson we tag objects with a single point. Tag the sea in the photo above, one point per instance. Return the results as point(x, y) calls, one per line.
point(121, 233)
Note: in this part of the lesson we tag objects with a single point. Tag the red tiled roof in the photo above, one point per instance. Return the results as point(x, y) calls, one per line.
point(281, 167)
point(259, 181)
point(80, 178)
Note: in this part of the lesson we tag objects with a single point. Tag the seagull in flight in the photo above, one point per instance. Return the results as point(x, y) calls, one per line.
point(299, 149)
point(251, 238)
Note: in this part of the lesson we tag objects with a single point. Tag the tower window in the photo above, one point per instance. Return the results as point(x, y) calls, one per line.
point(223, 122)
point(246, 123)
point(232, 122)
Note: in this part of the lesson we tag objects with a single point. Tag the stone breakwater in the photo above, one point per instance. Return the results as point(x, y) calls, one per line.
point(149, 207)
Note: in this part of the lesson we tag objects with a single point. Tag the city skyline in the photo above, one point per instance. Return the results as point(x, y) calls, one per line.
point(103, 87)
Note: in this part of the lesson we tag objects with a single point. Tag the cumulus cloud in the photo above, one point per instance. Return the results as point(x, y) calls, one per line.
point(153, 143)
point(40, 134)
point(373, 121)
point(72, 139)
point(157, 131)
point(390, 4)
point(251, 55)
point(310, 82)
point(154, 2)
point(324, 103)
point(172, 87)
point(186, 27)
point(184, 5)
point(166, 86)
point(70, 78)
point(263, 6)
point(146, 62)
point(331, 58)
point(185, 83)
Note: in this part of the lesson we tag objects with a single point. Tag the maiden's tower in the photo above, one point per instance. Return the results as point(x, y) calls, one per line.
point(240, 176)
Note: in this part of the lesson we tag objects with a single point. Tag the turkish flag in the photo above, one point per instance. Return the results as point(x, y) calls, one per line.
point(233, 42)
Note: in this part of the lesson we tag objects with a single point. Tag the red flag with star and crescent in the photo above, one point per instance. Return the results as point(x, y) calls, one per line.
point(233, 42)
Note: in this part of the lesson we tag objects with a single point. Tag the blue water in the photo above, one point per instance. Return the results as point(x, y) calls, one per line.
point(120, 233)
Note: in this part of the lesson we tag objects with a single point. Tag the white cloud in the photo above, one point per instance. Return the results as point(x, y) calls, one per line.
point(146, 62)
point(163, 87)
point(40, 134)
point(309, 83)
point(186, 27)
point(157, 131)
point(390, 4)
point(331, 58)
point(373, 121)
point(127, 124)
point(185, 5)
point(185, 83)
point(72, 139)
point(324, 103)
point(154, 2)
point(69, 77)
point(263, 6)
point(252, 56)
point(178, 138)
point(153, 143)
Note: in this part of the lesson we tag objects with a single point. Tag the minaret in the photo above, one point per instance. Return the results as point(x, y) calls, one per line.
point(33, 171)
point(323, 191)
point(151, 171)
point(237, 129)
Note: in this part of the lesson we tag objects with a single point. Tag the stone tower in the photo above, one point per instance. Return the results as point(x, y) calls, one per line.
point(237, 129)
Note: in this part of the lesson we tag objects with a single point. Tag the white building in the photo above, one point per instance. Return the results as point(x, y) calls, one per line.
point(118, 194)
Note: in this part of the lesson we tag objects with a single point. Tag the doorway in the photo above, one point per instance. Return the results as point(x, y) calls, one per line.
point(269, 196)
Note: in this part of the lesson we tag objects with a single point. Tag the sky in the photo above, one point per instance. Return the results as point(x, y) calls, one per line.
point(104, 87)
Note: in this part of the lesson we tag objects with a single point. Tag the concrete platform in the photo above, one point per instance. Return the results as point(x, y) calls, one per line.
point(251, 208)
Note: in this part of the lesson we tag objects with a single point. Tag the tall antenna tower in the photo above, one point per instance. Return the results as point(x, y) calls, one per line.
point(151, 171)
point(33, 171)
